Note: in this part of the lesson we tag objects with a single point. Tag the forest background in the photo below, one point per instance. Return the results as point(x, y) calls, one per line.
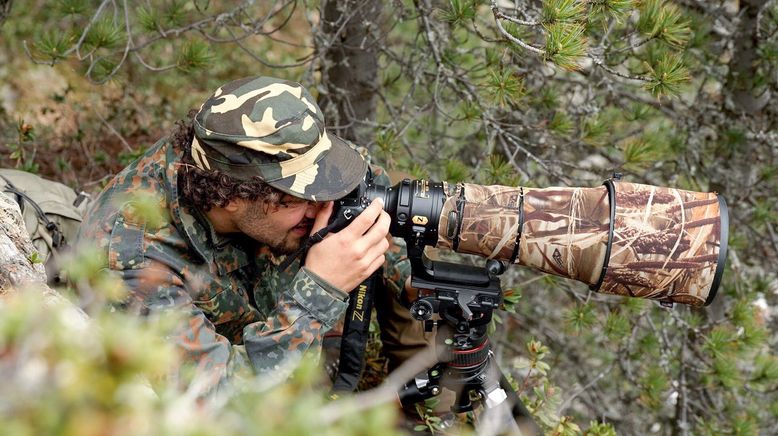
point(533, 93)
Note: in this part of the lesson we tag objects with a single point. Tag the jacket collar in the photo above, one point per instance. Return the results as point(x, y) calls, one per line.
point(219, 251)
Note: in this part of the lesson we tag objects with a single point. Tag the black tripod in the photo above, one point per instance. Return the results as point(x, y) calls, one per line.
point(464, 298)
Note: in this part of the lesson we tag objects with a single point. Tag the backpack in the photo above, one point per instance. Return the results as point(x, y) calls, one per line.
point(52, 213)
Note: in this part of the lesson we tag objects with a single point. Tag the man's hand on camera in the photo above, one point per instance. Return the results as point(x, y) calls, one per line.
point(348, 257)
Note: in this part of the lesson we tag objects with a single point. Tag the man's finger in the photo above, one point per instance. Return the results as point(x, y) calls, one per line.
point(379, 230)
point(322, 217)
point(365, 220)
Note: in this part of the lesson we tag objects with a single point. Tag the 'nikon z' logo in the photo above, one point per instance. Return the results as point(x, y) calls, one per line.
point(359, 311)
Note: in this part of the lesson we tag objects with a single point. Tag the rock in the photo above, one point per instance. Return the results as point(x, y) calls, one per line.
point(18, 273)
point(16, 249)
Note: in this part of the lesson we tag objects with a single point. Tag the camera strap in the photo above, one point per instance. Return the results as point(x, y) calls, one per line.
point(355, 334)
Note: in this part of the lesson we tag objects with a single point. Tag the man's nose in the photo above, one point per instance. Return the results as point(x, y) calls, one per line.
point(312, 208)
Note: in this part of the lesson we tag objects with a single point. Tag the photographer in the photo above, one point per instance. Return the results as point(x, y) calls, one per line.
point(240, 188)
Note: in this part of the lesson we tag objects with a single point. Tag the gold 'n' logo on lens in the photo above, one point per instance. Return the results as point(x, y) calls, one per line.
point(420, 220)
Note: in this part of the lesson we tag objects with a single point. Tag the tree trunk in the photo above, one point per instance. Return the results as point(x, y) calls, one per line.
point(349, 67)
point(5, 10)
point(747, 95)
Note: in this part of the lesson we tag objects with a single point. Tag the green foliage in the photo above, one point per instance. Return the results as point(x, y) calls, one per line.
point(581, 317)
point(458, 12)
point(766, 371)
point(617, 9)
point(24, 158)
point(455, 171)
point(35, 257)
point(510, 299)
point(654, 384)
point(663, 21)
point(505, 87)
point(103, 34)
point(600, 429)
point(194, 55)
point(561, 123)
point(52, 46)
point(64, 375)
point(640, 152)
point(499, 172)
point(594, 131)
point(617, 326)
point(72, 7)
point(565, 45)
point(564, 11)
point(387, 146)
point(667, 76)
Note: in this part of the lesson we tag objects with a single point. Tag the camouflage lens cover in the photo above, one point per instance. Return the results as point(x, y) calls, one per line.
point(666, 243)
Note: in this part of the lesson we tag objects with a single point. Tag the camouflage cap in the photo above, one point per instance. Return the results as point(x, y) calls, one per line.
point(272, 128)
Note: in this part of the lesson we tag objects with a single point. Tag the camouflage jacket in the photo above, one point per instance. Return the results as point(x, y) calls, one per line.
point(241, 313)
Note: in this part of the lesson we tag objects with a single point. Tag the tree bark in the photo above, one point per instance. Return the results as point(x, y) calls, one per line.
point(349, 68)
point(747, 95)
point(5, 10)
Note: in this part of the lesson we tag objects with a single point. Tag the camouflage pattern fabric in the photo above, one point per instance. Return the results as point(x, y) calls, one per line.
point(666, 241)
point(666, 244)
point(180, 265)
point(272, 128)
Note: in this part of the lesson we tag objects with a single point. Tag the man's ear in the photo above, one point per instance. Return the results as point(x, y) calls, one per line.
point(233, 206)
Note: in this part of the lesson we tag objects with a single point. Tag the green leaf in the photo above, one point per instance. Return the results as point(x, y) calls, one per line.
point(654, 383)
point(595, 131)
point(72, 7)
point(617, 326)
point(766, 370)
point(616, 9)
point(564, 11)
point(35, 257)
point(149, 18)
point(638, 152)
point(725, 371)
point(667, 76)
point(504, 87)
point(174, 14)
point(565, 45)
point(581, 317)
point(561, 123)
point(458, 12)
point(194, 55)
point(600, 429)
point(665, 22)
point(53, 45)
point(103, 34)
point(499, 172)
point(719, 340)
point(455, 171)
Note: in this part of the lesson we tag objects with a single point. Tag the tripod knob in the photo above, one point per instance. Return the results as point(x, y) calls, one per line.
point(421, 310)
point(495, 267)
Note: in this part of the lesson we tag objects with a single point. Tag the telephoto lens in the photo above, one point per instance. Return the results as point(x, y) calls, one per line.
point(620, 238)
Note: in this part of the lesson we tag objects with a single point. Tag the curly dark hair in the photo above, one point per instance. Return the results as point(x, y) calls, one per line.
point(208, 189)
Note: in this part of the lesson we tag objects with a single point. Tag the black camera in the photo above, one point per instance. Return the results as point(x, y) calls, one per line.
point(414, 206)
